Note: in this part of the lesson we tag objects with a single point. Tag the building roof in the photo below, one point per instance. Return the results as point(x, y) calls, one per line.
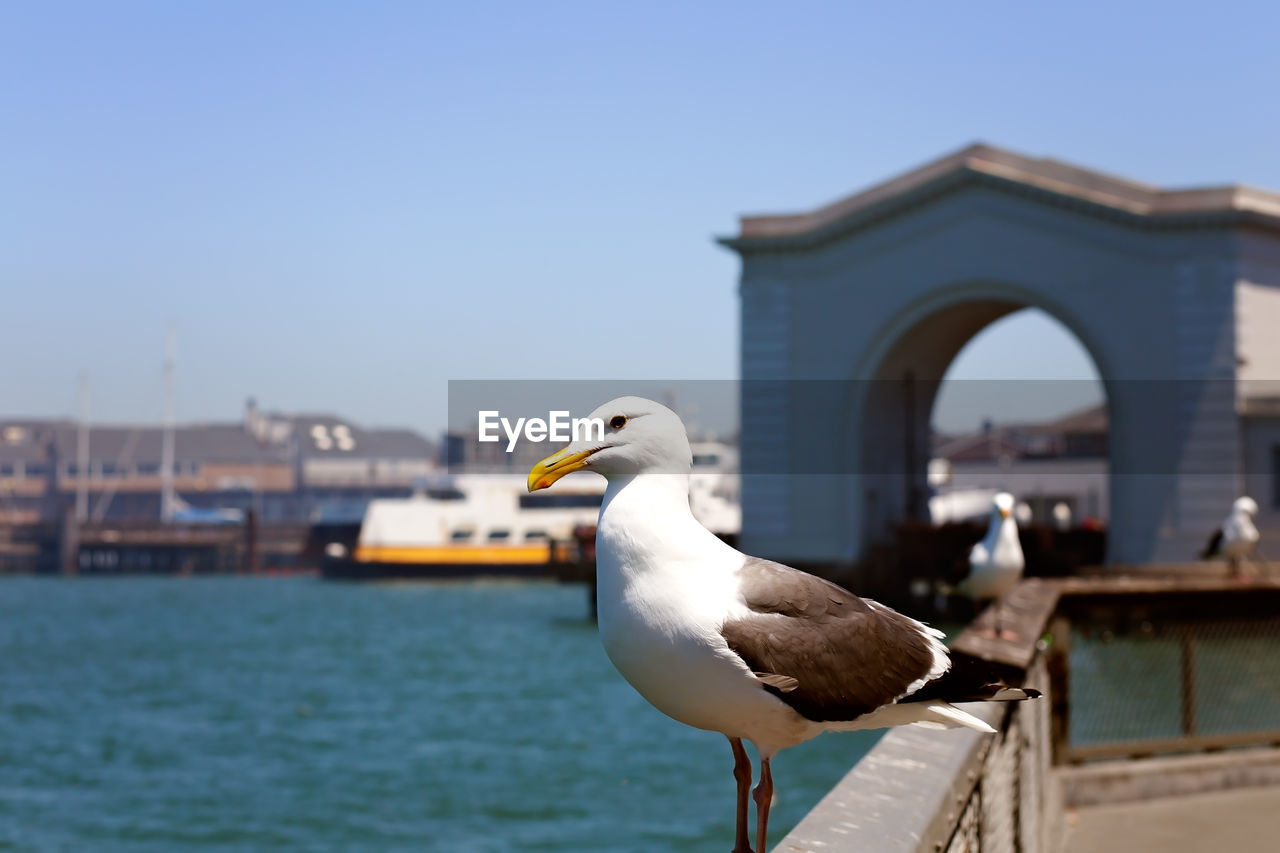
point(1091, 419)
point(134, 444)
point(1043, 438)
point(1048, 179)
point(329, 436)
point(978, 446)
point(26, 440)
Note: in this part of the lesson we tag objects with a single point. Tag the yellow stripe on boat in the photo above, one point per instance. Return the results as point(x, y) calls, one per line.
point(455, 554)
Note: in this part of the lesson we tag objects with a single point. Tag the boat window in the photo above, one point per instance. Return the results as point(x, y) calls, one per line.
point(705, 459)
point(561, 501)
point(446, 494)
point(535, 536)
point(499, 535)
point(460, 535)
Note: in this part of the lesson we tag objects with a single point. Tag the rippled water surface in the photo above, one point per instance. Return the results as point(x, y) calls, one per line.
point(174, 714)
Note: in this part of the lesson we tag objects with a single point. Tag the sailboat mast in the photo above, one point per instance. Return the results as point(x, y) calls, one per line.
point(82, 453)
point(166, 448)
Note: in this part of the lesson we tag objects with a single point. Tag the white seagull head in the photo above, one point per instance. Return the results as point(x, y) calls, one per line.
point(1245, 505)
point(640, 437)
point(1002, 505)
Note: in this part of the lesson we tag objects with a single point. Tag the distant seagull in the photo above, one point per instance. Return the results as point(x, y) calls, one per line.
point(1062, 516)
point(734, 644)
point(996, 563)
point(1237, 538)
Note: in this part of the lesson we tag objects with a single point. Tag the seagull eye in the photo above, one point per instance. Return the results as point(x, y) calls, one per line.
point(618, 421)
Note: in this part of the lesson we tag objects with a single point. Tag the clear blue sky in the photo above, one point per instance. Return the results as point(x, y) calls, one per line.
point(342, 206)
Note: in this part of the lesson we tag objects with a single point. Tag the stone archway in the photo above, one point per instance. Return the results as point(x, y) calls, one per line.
point(890, 283)
point(890, 406)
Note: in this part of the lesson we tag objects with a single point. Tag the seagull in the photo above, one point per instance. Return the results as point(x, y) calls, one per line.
point(996, 563)
point(1237, 538)
point(1062, 516)
point(725, 642)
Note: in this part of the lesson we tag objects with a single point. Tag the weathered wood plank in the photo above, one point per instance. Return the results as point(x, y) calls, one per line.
point(1158, 580)
point(1024, 613)
point(1144, 779)
point(1166, 746)
point(904, 796)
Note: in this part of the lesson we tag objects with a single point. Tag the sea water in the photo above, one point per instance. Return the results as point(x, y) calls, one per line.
point(236, 713)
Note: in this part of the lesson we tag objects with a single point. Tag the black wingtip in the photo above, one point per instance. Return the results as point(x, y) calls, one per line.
point(972, 680)
point(1211, 548)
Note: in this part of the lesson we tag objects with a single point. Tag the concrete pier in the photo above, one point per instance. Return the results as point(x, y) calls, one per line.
point(1244, 820)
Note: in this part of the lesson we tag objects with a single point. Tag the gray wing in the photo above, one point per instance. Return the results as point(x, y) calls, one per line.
point(846, 656)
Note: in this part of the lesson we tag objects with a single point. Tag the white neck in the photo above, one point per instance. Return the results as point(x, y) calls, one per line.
point(1003, 531)
point(645, 521)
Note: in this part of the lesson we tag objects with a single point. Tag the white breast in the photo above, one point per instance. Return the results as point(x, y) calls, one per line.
point(663, 636)
point(1239, 535)
point(996, 565)
point(665, 586)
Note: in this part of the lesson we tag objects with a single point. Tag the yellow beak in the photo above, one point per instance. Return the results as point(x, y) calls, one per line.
point(556, 466)
point(1004, 513)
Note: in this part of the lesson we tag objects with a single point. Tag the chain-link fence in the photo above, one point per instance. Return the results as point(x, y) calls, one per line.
point(1184, 685)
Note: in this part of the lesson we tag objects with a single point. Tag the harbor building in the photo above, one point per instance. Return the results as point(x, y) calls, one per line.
point(851, 314)
point(287, 468)
point(1058, 470)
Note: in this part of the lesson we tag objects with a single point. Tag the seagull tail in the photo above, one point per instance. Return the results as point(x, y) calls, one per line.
point(940, 714)
point(1213, 546)
point(944, 716)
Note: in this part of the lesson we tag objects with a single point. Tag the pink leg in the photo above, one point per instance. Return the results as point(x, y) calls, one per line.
point(742, 775)
point(764, 798)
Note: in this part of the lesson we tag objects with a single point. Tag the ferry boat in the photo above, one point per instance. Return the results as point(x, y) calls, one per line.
point(488, 525)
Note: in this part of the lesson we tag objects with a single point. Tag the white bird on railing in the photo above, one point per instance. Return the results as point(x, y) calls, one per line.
point(996, 563)
point(1237, 538)
point(734, 644)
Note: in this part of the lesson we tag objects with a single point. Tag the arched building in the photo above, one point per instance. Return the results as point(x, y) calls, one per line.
point(852, 313)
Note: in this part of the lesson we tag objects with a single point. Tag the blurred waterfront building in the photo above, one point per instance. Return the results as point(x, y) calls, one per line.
point(284, 467)
point(851, 314)
point(1045, 465)
point(467, 454)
